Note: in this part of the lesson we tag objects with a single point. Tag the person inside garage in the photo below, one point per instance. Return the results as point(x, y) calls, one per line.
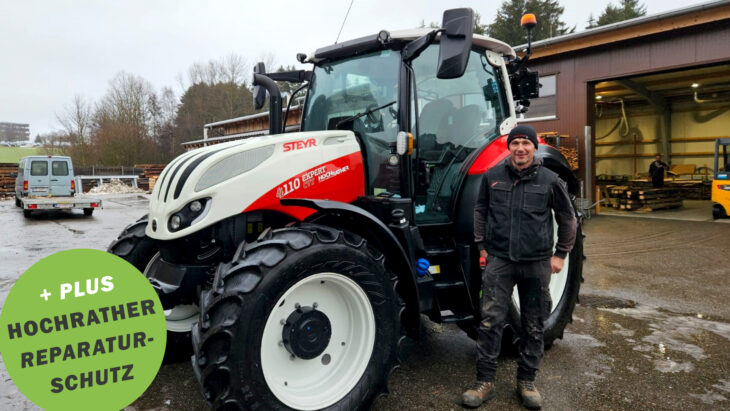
point(656, 171)
point(513, 228)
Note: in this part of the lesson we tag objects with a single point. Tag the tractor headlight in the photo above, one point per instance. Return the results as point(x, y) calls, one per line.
point(193, 212)
point(196, 206)
point(234, 165)
point(175, 222)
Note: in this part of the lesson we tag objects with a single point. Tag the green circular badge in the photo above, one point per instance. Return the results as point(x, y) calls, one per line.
point(82, 330)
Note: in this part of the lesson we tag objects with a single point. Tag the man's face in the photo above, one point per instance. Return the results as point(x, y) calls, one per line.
point(658, 158)
point(522, 151)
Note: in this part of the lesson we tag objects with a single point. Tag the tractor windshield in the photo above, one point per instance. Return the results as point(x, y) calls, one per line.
point(342, 89)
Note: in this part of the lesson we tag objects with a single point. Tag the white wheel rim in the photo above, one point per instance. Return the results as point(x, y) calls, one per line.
point(180, 318)
point(312, 384)
point(558, 281)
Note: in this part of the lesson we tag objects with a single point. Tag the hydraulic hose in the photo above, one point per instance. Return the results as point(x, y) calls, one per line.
point(622, 124)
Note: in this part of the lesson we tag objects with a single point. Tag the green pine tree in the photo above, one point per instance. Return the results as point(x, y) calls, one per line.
point(627, 9)
point(506, 25)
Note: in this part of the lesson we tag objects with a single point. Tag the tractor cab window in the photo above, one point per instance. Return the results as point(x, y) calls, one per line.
point(342, 89)
point(455, 117)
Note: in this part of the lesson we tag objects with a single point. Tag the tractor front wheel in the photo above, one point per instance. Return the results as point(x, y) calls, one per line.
point(142, 252)
point(304, 318)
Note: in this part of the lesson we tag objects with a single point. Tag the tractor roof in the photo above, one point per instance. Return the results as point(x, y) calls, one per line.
point(371, 43)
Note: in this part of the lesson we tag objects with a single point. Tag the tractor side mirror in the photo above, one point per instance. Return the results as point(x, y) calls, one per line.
point(259, 93)
point(458, 26)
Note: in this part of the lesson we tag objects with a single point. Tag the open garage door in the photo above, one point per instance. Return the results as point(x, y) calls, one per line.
point(677, 115)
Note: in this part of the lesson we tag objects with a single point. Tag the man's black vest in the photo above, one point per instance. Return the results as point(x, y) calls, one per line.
point(519, 218)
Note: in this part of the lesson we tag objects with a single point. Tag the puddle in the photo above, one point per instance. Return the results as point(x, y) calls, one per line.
point(672, 366)
point(580, 340)
point(671, 335)
point(600, 301)
point(709, 397)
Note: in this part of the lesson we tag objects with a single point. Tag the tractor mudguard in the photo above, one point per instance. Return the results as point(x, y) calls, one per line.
point(359, 221)
point(553, 159)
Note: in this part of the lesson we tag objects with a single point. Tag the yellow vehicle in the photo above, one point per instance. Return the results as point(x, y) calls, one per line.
point(721, 182)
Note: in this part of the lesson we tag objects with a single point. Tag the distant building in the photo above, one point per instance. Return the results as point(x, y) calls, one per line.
point(14, 132)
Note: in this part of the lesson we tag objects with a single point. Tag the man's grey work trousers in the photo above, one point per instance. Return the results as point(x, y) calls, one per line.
point(498, 279)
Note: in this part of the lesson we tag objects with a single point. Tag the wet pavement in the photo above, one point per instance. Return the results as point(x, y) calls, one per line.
point(651, 331)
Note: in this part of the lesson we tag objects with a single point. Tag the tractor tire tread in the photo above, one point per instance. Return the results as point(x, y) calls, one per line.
point(234, 284)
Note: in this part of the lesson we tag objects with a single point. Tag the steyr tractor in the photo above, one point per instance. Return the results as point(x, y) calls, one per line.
point(298, 262)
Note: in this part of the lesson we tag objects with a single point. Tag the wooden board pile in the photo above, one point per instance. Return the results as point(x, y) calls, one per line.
point(571, 155)
point(643, 199)
point(694, 189)
point(7, 183)
point(150, 173)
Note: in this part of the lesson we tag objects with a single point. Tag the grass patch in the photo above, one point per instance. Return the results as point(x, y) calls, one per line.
point(14, 154)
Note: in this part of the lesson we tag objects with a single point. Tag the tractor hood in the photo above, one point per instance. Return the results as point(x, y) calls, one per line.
point(207, 185)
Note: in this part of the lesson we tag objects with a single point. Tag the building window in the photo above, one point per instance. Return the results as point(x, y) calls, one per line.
point(543, 107)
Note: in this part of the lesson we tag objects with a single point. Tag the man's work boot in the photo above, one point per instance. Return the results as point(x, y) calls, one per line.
point(477, 394)
point(531, 398)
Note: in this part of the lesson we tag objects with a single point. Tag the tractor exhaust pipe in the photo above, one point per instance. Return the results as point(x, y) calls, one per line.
point(261, 84)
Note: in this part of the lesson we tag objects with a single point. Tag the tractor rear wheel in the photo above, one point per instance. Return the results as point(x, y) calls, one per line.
point(142, 252)
point(305, 318)
point(564, 288)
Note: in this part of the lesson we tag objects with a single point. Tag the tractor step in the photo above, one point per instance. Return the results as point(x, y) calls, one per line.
point(437, 252)
point(448, 285)
point(448, 317)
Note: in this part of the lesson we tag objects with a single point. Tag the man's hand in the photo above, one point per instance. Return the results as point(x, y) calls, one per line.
point(556, 264)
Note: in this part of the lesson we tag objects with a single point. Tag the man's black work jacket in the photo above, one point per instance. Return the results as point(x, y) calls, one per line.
point(512, 217)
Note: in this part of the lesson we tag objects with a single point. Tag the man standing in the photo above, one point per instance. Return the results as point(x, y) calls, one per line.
point(656, 171)
point(513, 227)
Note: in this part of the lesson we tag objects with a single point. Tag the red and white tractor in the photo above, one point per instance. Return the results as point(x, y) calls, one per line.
point(298, 262)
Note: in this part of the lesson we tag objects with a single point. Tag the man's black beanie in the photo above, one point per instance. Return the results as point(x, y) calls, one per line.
point(523, 131)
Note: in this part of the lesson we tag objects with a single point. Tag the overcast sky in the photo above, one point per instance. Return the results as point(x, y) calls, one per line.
point(53, 49)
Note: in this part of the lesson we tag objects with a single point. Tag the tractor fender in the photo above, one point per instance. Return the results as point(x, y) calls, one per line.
point(554, 160)
point(359, 221)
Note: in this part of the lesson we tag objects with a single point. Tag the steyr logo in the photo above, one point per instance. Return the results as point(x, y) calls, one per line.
point(298, 145)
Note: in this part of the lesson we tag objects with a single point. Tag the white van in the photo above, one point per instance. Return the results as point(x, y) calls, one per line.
point(47, 183)
point(43, 176)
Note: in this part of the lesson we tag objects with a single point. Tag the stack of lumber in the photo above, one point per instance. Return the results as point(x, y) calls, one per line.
point(7, 183)
point(571, 155)
point(637, 198)
point(650, 199)
point(613, 194)
point(693, 189)
point(150, 173)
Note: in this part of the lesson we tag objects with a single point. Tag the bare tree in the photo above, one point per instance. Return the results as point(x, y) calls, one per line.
point(269, 60)
point(76, 119)
point(125, 122)
point(235, 69)
point(76, 124)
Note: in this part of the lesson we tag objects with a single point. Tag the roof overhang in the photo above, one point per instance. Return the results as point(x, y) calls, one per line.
point(631, 29)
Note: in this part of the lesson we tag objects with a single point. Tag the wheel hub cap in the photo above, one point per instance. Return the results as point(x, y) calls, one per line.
point(306, 333)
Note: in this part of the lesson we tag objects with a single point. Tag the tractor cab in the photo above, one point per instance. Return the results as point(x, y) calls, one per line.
point(377, 94)
point(398, 82)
